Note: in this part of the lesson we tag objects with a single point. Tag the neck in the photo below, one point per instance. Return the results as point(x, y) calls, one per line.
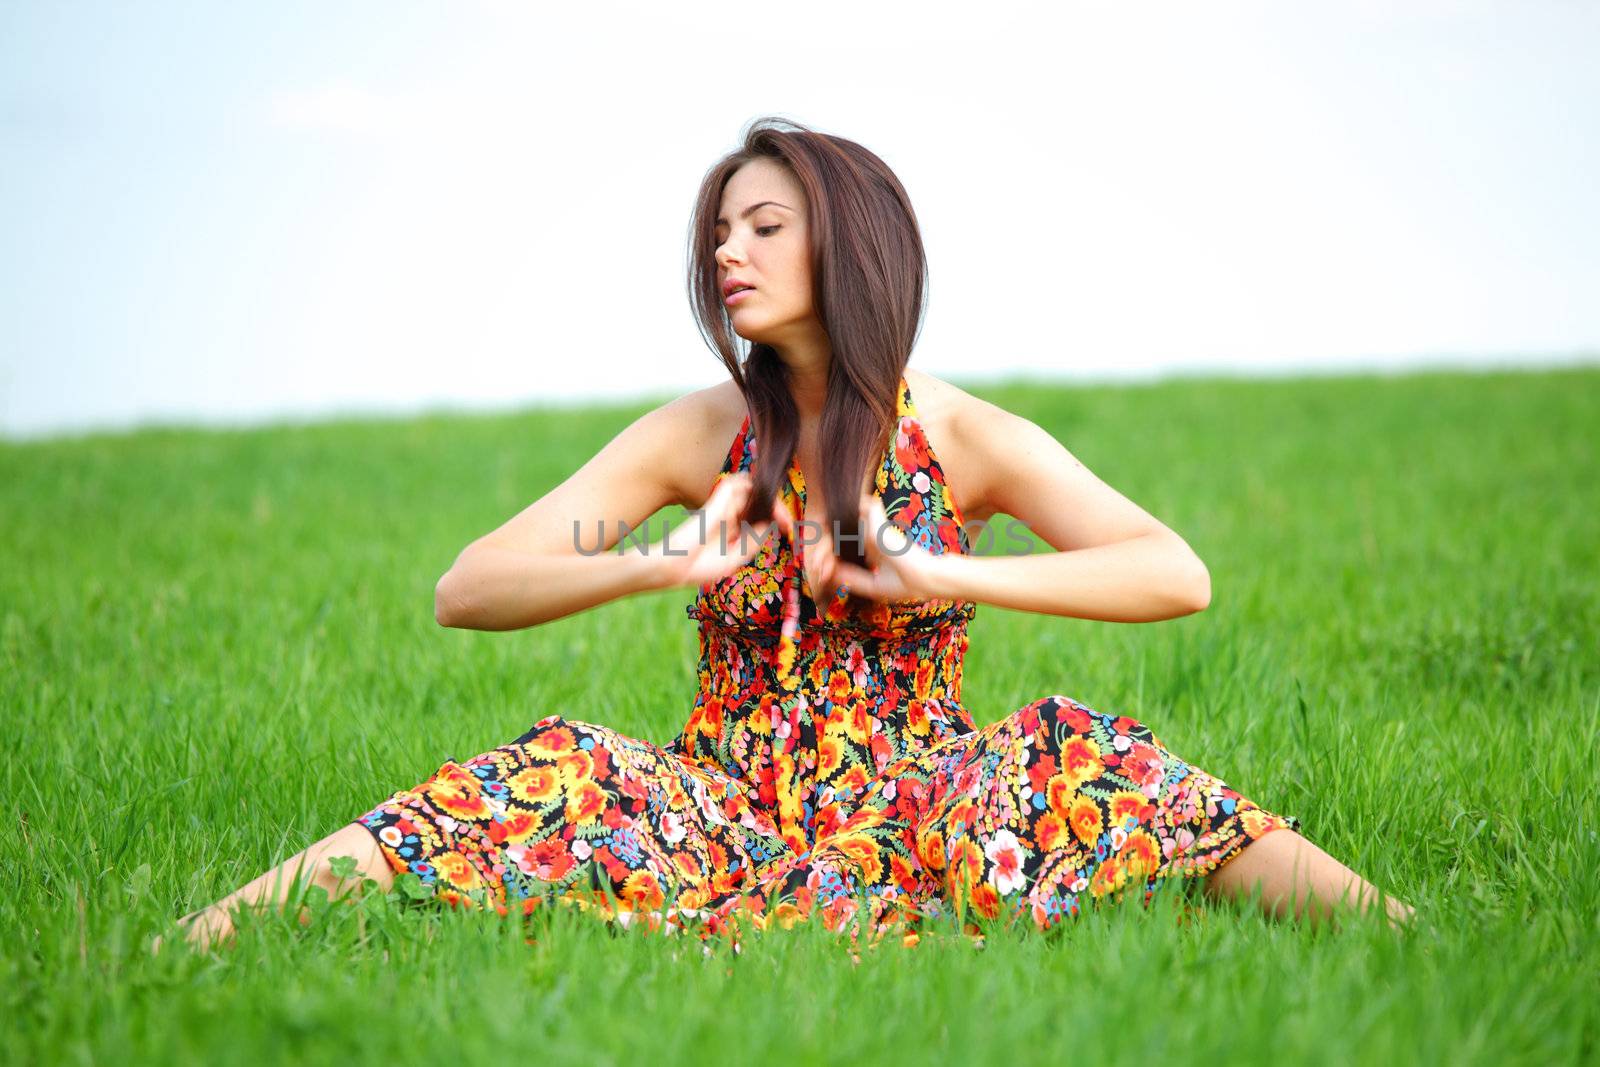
point(807, 362)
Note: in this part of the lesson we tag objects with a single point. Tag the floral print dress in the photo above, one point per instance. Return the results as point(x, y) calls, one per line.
point(828, 765)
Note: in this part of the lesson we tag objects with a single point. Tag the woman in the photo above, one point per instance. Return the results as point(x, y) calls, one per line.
point(828, 759)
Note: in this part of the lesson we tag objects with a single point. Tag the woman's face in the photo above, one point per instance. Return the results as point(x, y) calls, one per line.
point(762, 241)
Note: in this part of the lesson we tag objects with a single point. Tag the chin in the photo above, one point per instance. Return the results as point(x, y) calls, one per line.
point(756, 335)
point(765, 331)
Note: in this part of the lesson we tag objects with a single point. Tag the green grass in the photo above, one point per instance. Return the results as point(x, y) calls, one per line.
point(216, 647)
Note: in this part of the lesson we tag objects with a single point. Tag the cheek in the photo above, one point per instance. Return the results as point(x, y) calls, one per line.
point(797, 277)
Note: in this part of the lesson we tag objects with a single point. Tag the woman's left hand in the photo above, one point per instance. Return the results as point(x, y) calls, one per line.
point(898, 571)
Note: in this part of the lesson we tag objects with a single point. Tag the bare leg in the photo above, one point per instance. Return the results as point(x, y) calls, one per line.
point(272, 888)
point(1295, 876)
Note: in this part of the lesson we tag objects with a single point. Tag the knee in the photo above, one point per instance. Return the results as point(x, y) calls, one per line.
point(1055, 717)
point(554, 737)
point(543, 726)
point(349, 857)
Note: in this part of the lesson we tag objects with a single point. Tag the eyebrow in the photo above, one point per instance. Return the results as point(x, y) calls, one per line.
point(747, 212)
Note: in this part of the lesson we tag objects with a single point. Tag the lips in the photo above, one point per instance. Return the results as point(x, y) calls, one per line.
point(734, 285)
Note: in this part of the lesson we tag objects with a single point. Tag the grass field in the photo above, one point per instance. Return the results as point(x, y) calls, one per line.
point(216, 647)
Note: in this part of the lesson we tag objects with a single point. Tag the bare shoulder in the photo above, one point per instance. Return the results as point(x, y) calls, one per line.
point(999, 462)
point(668, 455)
point(957, 425)
point(941, 402)
point(944, 404)
point(700, 427)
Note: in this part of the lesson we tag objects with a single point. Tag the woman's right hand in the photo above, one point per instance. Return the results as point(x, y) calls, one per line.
point(710, 543)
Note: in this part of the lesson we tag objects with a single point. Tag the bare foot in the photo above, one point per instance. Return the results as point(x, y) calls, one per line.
point(1295, 877)
point(338, 865)
point(201, 929)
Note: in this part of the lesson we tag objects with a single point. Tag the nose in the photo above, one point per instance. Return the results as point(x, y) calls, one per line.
point(728, 253)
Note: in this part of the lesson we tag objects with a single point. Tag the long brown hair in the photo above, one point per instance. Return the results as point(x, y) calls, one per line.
point(869, 280)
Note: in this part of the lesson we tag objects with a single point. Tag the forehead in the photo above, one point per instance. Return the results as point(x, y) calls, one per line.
point(758, 180)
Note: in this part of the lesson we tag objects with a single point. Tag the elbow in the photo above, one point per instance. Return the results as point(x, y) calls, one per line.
point(448, 608)
point(1199, 589)
point(1186, 582)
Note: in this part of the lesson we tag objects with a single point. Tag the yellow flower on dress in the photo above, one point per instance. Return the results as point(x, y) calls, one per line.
point(1085, 819)
point(786, 651)
point(817, 671)
point(585, 803)
point(901, 873)
point(791, 806)
point(1060, 793)
point(840, 686)
point(459, 794)
point(966, 864)
point(863, 853)
point(521, 825)
point(706, 718)
point(862, 819)
point(1050, 832)
point(858, 721)
point(575, 767)
point(1129, 803)
point(854, 780)
point(760, 722)
point(1257, 822)
point(456, 870)
point(642, 892)
point(917, 718)
point(986, 900)
point(686, 863)
point(1080, 761)
point(534, 785)
point(1108, 877)
point(553, 743)
point(830, 755)
point(1141, 855)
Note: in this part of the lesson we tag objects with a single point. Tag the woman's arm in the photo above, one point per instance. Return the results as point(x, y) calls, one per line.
point(1146, 578)
point(1113, 560)
point(550, 560)
point(494, 587)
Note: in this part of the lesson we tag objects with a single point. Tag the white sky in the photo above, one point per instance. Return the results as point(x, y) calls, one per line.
point(214, 213)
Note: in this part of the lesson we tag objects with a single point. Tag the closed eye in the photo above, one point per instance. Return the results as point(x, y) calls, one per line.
point(761, 231)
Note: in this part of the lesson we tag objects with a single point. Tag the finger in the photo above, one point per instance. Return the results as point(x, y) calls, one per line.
point(869, 529)
point(872, 523)
point(741, 534)
point(758, 535)
point(739, 487)
point(895, 540)
point(822, 538)
point(884, 537)
point(728, 491)
point(729, 500)
point(822, 567)
point(860, 581)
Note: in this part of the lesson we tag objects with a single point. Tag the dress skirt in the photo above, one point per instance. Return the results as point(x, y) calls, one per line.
point(1048, 810)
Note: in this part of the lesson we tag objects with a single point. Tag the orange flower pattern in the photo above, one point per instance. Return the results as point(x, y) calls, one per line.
point(827, 763)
